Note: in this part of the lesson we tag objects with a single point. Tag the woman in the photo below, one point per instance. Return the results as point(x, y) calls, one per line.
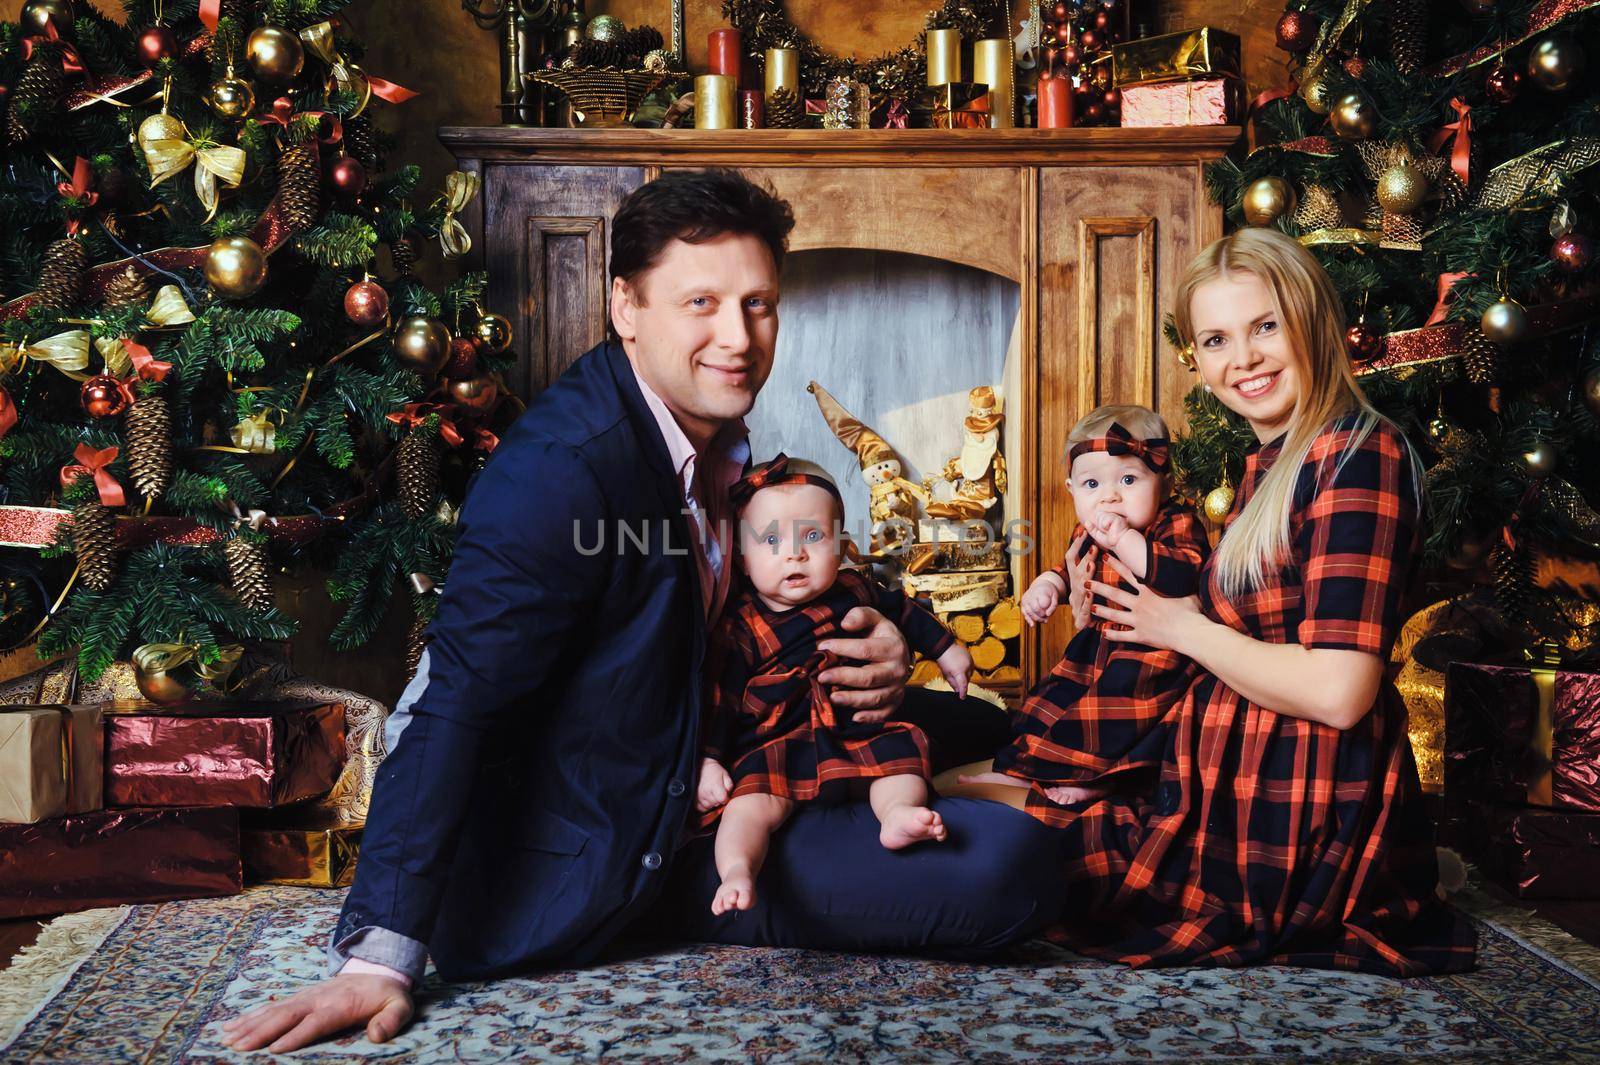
point(1285, 826)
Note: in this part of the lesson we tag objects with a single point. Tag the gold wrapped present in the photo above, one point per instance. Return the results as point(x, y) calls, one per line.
point(317, 852)
point(1197, 53)
point(50, 762)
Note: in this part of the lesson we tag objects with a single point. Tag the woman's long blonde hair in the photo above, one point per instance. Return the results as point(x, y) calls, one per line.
point(1311, 314)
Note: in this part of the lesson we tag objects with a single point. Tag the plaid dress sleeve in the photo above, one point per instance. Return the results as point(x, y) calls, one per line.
point(1355, 540)
point(1178, 549)
point(924, 633)
point(727, 675)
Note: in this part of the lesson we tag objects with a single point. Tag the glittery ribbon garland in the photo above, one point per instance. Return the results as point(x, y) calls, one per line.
point(1539, 171)
point(1544, 15)
point(1435, 343)
point(1323, 146)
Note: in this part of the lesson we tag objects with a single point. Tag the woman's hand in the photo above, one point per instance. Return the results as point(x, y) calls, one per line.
point(875, 687)
point(1147, 618)
point(1080, 570)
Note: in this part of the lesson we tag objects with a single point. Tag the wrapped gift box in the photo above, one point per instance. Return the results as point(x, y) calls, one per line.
point(1203, 102)
point(1515, 736)
point(222, 755)
point(1182, 56)
point(113, 857)
point(50, 762)
point(1540, 853)
point(307, 848)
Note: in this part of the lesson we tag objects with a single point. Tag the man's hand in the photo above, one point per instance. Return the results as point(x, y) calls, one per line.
point(875, 687)
point(956, 665)
point(339, 1002)
point(715, 785)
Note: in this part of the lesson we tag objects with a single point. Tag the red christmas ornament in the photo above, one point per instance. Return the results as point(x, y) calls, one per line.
point(366, 303)
point(1362, 341)
point(155, 44)
point(1112, 98)
point(478, 394)
point(102, 397)
point(1063, 33)
point(1095, 111)
point(1571, 252)
point(348, 176)
point(463, 360)
point(1355, 66)
point(1070, 55)
point(1089, 39)
point(1503, 83)
point(1297, 31)
point(1060, 12)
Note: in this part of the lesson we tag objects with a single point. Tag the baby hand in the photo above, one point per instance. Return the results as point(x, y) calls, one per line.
point(1107, 528)
point(956, 665)
point(715, 784)
point(1040, 600)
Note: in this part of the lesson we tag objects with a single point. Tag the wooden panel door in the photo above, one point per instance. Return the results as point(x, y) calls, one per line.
point(548, 239)
point(1112, 243)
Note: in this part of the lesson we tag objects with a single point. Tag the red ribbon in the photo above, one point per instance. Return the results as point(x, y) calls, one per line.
point(148, 367)
point(1461, 153)
point(414, 414)
point(282, 111)
point(1446, 283)
point(71, 62)
point(8, 413)
point(1265, 98)
point(211, 14)
point(895, 114)
point(94, 463)
point(388, 90)
point(78, 189)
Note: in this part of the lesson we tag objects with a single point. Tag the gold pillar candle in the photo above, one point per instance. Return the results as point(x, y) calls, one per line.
point(994, 65)
point(713, 101)
point(944, 56)
point(783, 71)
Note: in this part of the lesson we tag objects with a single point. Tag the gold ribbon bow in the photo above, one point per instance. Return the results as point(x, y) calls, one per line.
point(118, 363)
point(67, 352)
point(168, 150)
point(459, 189)
point(166, 657)
point(256, 434)
point(168, 308)
point(346, 76)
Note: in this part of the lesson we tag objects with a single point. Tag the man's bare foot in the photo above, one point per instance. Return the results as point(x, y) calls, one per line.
point(905, 825)
point(1067, 794)
point(737, 892)
point(991, 778)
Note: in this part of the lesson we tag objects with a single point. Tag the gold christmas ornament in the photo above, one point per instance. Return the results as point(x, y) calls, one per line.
point(1591, 391)
point(1219, 503)
point(236, 267)
point(1555, 63)
point(604, 28)
point(1267, 199)
point(478, 393)
point(1402, 188)
point(493, 333)
point(37, 15)
point(1505, 322)
point(1317, 94)
point(159, 685)
point(422, 343)
point(1353, 117)
point(1542, 458)
point(274, 54)
point(230, 98)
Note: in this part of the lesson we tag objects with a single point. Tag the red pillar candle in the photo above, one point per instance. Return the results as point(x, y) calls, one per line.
point(1055, 103)
point(725, 52)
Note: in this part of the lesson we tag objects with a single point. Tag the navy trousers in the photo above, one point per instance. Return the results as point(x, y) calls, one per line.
point(828, 883)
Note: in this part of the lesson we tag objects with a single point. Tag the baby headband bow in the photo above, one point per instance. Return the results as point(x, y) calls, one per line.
point(776, 471)
point(1118, 441)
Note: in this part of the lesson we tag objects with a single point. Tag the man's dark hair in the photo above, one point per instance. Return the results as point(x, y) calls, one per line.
point(694, 206)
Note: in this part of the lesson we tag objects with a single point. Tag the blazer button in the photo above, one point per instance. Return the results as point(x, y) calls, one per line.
point(651, 861)
point(675, 787)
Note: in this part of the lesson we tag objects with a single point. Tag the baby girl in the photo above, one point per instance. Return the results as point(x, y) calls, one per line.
point(1092, 717)
point(771, 735)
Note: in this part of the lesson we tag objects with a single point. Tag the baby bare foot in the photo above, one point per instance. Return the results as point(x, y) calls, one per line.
point(736, 892)
point(1066, 794)
point(991, 778)
point(905, 825)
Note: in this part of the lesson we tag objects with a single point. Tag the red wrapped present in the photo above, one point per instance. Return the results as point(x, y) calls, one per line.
point(1539, 853)
point(1517, 735)
point(222, 755)
point(50, 762)
point(1203, 102)
point(113, 857)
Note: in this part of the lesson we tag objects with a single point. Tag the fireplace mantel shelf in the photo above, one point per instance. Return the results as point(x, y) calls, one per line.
point(842, 148)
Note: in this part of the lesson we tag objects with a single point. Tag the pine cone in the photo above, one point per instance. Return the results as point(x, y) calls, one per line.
point(416, 641)
point(1481, 357)
point(94, 538)
point(61, 276)
point(127, 289)
point(36, 95)
point(417, 468)
point(403, 254)
point(360, 142)
point(587, 53)
point(1513, 582)
point(248, 574)
point(148, 427)
point(784, 111)
point(1408, 34)
point(299, 187)
point(636, 43)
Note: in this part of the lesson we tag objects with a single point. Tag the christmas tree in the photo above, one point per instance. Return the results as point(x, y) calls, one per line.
point(203, 378)
point(1438, 157)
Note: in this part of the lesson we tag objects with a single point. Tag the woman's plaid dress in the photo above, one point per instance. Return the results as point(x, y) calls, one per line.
point(1092, 716)
point(1271, 838)
point(771, 722)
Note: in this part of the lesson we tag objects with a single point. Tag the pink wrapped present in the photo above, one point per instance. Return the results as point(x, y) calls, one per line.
point(1204, 102)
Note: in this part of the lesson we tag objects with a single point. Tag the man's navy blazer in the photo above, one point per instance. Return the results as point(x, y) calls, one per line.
point(531, 805)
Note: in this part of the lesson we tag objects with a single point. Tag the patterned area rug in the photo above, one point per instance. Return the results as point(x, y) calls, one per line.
point(153, 984)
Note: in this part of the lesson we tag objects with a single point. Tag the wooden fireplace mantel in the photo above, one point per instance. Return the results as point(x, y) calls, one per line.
point(1093, 225)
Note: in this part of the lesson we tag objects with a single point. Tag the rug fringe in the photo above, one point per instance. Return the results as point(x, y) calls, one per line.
point(39, 972)
point(1536, 933)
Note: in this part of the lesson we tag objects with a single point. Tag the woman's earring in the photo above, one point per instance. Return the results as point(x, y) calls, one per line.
point(1206, 387)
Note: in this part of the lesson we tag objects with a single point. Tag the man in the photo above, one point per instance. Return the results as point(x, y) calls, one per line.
point(542, 764)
